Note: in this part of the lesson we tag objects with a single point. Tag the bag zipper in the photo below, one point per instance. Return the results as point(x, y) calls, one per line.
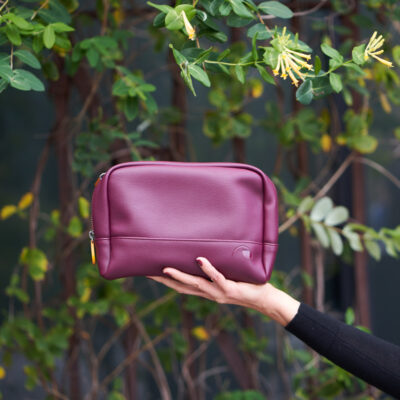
point(91, 232)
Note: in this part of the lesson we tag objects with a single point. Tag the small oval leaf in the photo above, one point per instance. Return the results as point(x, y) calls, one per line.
point(337, 216)
point(321, 209)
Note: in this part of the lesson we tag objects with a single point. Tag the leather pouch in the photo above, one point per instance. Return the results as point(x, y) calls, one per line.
point(147, 215)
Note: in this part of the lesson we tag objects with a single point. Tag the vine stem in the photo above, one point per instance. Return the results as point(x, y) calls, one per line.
point(3, 5)
point(380, 169)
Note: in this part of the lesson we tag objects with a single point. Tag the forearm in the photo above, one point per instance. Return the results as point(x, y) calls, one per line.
point(278, 305)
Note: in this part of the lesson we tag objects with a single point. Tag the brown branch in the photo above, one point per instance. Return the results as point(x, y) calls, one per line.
point(332, 180)
point(319, 277)
point(379, 168)
point(106, 5)
point(33, 218)
point(140, 314)
point(160, 373)
point(132, 357)
point(301, 13)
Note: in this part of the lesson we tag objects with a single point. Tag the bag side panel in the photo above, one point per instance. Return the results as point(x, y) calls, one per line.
point(101, 227)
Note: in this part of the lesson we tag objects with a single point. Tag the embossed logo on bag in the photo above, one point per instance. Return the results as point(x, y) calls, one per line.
point(244, 251)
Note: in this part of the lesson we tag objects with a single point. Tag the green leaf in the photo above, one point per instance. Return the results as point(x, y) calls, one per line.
point(336, 82)
point(365, 144)
point(321, 209)
point(397, 133)
point(265, 75)
point(84, 207)
point(235, 21)
point(305, 205)
point(271, 56)
point(240, 73)
point(173, 21)
point(49, 36)
point(262, 31)
point(75, 226)
point(240, 9)
point(21, 75)
point(13, 35)
point(331, 52)
point(225, 8)
point(199, 74)
point(355, 242)
point(214, 7)
point(28, 58)
point(159, 20)
point(93, 56)
point(337, 216)
point(336, 241)
point(355, 68)
point(189, 10)
point(321, 86)
point(357, 54)
point(349, 316)
point(321, 234)
point(179, 57)
point(61, 27)
point(6, 72)
point(20, 22)
point(162, 7)
point(317, 65)
point(275, 8)
point(203, 56)
point(3, 85)
point(188, 80)
point(241, 125)
point(304, 93)
point(36, 261)
point(150, 104)
point(373, 248)
point(254, 51)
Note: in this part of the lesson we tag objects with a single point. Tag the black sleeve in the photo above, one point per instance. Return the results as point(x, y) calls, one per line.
point(372, 359)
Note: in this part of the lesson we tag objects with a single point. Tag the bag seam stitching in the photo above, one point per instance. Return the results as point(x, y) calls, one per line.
point(191, 240)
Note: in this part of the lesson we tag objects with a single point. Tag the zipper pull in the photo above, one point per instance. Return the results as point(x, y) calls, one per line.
point(99, 178)
point(91, 236)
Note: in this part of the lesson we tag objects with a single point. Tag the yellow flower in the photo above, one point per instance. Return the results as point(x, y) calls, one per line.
point(372, 49)
point(119, 15)
point(7, 211)
point(200, 333)
point(2, 372)
point(257, 89)
point(326, 142)
point(25, 201)
point(289, 61)
point(189, 28)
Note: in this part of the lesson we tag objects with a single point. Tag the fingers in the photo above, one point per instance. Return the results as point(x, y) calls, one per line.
point(179, 287)
point(212, 272)
point(182, 282)
point(187, 279)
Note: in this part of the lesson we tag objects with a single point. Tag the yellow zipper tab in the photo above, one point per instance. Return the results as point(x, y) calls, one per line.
point(92, 251)
point(91, 236)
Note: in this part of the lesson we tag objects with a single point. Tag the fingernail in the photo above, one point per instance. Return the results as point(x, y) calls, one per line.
point(199, 262)
point(165, 272)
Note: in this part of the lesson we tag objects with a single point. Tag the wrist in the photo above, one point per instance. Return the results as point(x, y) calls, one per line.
point(278, 305)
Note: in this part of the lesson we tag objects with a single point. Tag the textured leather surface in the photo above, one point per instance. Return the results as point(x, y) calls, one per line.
point(151, 214)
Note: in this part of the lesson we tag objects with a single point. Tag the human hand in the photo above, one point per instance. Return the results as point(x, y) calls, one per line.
point(264, 298)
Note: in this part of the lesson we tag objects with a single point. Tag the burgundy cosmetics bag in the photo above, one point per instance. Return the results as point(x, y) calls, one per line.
point(147, 215)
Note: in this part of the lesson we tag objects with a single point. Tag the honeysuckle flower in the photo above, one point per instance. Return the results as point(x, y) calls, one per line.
point(188, 26)
point(372, 49)
point(290, 61)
